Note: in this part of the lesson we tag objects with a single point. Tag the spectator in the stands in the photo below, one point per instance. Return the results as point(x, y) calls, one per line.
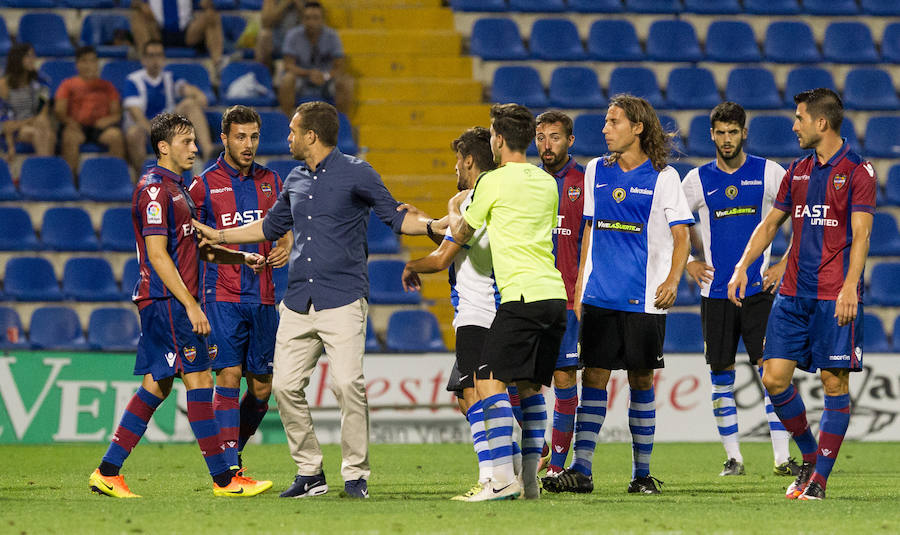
point(277, 18)
point(89, 110)
point(27, 104)
point(151, 91)
point(314, 64)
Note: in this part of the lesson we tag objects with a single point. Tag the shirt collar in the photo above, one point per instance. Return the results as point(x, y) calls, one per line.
point(845, 148)
point(326, 162)
point(232, 172)
point(565, 169)
point(165, 173)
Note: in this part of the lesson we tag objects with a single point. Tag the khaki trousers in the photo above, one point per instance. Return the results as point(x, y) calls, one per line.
point(301, 339)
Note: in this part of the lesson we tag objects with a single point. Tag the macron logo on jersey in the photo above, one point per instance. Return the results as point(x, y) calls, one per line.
point(220, 190)
point(817, 214)
point(240, 218)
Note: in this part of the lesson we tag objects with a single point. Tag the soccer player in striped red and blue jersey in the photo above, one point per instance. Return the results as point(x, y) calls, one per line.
point(240, 303)
point(816, 318)
point(173, 325)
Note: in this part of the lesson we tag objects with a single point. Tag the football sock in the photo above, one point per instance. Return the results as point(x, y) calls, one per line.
point(513, 392)
point(203, 422)
point(516, 456)
point(725, 412)
point(590, 415)
point(130, 430)
point(534, 411)
point(253, 410)
point(475, 415)
point(789, 407)
point(781, 439)
point(225, 405)
point(832, 428)
point(563, 426)
point(642, 422)
point(498, 422)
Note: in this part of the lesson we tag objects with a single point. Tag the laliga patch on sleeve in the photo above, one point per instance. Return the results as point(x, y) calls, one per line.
point(154, 213)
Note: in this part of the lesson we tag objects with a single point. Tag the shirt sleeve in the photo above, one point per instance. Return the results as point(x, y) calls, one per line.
point(693, 190)
point(772, 179)
point(292, 42)
point(863, 186)
point(589, 174)
point(197, 191)
point(337, 47)
point(153, 208)
point(372, 190)
point(62, 92)
point(112, 92)
point(279, 219)
point(675, 203)
point(783, 200)
point(484, 196)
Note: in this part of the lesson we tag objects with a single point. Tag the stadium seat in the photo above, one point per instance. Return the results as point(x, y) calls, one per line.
point(753, 88)
point(874, 338)
point(57, 70)
point(670, 125)
point(12, 335)
point(263, 92)
point(88, 4)
point(47, 33)
point(882, 135)
point(870, 89)
point(519, 84)
point(381, 238)
point(731, 41)
point(885, 239)
point(589, 138)
point(884, 285)
point(890, 43)
point(772, 7)
point(232, 28)
point(576, 87)
point(848, 130)
point(29, 4)
point(555, 40)
point(250, 5)
point(537, 6)
point(880, 7)
point(16, 230)
point(771, 136)
point(497, 39)
point(131, 273)
point(673, 40)
point(282, 167)
point(117, 70)
point(805, 78)
point(5, 41)
point(692, 88)
point(273, 138)
point(638, 81)
point(346, 143)
point(414, 331)
point(595, 6)
point(699, 142)
point(58, 328)
point(688, 293)
point(478, 5)
point(89, 279)
point(684, 333)
point(105, 179)
point(372, 343)
point(713, 7)
point(68, 229)
point(653, 6)
point(31, 279)
point(194, 74)
point(46, 178)
point(849, 42)
point(831, 7)
point(117, 230)
point(790, 42)
point(113, 329)
point(8, 191)
point(892, 186)
point(384, 284)
point(614, 40)
point(99, 29)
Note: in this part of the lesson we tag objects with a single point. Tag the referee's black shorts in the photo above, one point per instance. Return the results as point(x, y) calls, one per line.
point(618, 340)
point(469, 345)
point(724, 324)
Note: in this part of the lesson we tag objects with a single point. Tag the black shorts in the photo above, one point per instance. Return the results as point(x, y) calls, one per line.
point(91, 134)
point(618, 340)
point(469, 343)
point(724, 323)
point(523, 342)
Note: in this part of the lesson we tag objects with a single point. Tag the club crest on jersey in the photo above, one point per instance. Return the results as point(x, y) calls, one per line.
point(618, 194)
point(190, 353)
point(839, 181)
point(266, 188)
point(574, 193)
point(731, 192)
point(213, 351)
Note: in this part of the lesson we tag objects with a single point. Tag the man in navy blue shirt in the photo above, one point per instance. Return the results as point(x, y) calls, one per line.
point(326, 202)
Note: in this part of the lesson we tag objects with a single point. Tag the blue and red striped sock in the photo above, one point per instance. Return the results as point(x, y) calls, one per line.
point(563, 426)
point(203, 422)
point(131, 428)
point(225, 404)
point(514, 402)
point(791, 411)
point(832, 428)
point(253, 410)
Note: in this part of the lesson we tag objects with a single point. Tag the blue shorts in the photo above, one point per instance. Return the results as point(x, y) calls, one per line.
point(243, 334)
point(167, 345)
point(805, 330)
point(568, 348)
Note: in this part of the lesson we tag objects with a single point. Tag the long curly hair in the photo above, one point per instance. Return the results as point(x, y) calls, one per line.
point(656, 143)
point(17, 75)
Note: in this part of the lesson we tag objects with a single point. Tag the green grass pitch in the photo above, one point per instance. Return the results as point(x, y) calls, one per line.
point(43, 489)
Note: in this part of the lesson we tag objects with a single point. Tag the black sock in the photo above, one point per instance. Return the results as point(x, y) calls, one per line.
point(224, 478)
point(109, 469)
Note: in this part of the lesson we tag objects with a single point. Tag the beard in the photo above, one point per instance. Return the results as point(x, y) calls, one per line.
point(734, 151)
point(557, 160)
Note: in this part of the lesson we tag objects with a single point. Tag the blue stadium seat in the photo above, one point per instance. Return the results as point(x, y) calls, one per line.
point(576, 87)
point(731, 41)
point(56, 328)
point(5, 41)
point(653, 6)
point(68, 229)
point(478, 5)
point(831, 7)
point(537, 6)
point(771, 136)
point(614, 40)
point(89, 279)
point(8, 191)
point(131, 273)
point(670, 125)
point(589, 138)
point(282, 167)
point(596, 6)
point(381, 238)
point(805, 78)
point(113, 329)
point(692, 88)
point(673, 40)
point(47, 33)
point(884, 285)
point(870, 89)
point(232, 28)
point(880, 7)
point(11, 324)
point(372, 343)
point(31, 279)
point(638, 81)
point(892, 187)
point(117, 70)
point(849, 42)
point(105, 179)
point(881, 137)
point(46, 178)
point(273, 137)
point(194, 74)
point(384, 284)
point(519, 84)
point(699, 142)
point(885, 240)
point(753, 88)
point(848, 130)
point(890, 43)
point(29, 4)
point(346, 143)
point(874, 338)
point(497, 39)
point(684, 333)
point(250, 5)
point(238, 69)
point(57, 70)
point(555, 40)
point(16, 230)
point(414, 331)
point(790, 42)
point(99, 30)
point(713, 7)
point(117, 230)
point(89, 4)
point(688, 293)
point(772, 7)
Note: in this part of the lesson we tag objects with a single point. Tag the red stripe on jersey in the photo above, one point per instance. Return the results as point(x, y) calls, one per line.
point(570, 223)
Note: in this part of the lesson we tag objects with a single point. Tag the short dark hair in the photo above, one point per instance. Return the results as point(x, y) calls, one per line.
point(728, 112)
point(554, 116)
point(321, 118)
point(151, 42)
point(515, 123)
point(239, 114)
point(164, 126)
point(476, 142)
point(313, 3)
point(84, 51)
point(823, 102)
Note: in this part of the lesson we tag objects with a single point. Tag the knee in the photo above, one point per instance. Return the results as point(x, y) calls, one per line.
point(349, 386)
point(595, 377)
point(641, 380)
point(775, 384)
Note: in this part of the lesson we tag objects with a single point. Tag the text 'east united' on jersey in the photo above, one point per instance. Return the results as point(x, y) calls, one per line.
point(730, 207)
point(569, 224)
point(820, 198)
point(631, 242)
point(161, 206)
point(225, 199)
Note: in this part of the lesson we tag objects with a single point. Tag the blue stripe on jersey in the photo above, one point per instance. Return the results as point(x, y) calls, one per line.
point(813, 236)
point(170, 15)
point(156, 97)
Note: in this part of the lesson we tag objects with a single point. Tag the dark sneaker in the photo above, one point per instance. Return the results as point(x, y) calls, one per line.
point(644, 485)
point(306, 487)
point(569, 481)
point(799, 485)
point(788, 468)
point(357, 488)
point(813, 491)
point(732, 468)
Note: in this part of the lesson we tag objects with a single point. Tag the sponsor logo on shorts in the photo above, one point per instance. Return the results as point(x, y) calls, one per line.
point(170, 359)
point(213, 351)
point(619, 226)
point(154, 213)
point(731, 192)
point(858, 352)
point(839, 357)
point(736, 210)
point(574, 193)
point(190, 353)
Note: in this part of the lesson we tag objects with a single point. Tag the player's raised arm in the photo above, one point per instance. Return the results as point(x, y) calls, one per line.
point(249, 233)
point(762, 236)
point(459, 227)
point(438, 260)
point(158, 255)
